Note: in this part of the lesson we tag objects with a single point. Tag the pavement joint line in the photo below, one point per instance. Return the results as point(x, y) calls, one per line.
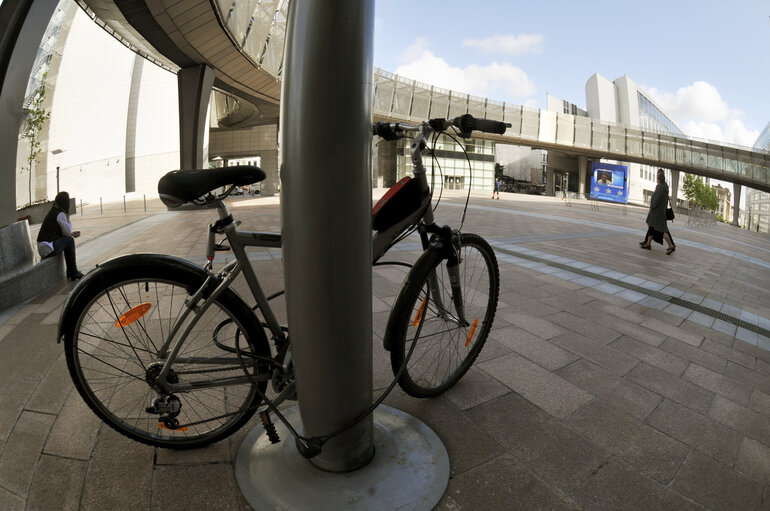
point(638, 287)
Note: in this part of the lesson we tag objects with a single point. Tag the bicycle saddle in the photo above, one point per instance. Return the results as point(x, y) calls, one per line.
point(180, 186)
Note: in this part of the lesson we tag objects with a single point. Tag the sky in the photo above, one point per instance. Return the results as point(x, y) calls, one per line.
point(706, 63)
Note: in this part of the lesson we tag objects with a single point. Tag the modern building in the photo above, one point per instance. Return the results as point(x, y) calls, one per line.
point(757, 215)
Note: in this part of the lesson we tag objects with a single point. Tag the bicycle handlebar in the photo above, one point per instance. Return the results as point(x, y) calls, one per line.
point(465, 124)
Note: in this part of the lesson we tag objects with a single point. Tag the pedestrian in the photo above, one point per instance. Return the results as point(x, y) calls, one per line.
point(497, 189)
point(56, 235)
point(656, 218)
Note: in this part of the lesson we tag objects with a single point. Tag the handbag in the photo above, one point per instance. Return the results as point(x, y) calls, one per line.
point(669, 211)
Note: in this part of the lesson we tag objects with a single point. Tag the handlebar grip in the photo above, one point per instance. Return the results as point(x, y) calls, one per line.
point(468, 123)
point(384, 130)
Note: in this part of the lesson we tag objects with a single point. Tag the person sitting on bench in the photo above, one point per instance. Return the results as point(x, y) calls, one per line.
point(56, 235)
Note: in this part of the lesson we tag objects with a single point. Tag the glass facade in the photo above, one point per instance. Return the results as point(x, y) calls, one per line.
point(652, 119)
point(758, 203)
point(449, 168)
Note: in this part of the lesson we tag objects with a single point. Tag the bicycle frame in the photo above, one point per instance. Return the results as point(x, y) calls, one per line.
point(239, 240)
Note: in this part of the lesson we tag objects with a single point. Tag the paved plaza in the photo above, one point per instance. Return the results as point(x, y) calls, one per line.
point(613, 378)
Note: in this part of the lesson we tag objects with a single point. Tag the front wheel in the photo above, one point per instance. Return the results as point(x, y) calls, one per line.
point(113, 338)
point(424, 317)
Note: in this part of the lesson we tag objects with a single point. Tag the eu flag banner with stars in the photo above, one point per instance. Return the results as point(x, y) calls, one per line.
point(609, 182)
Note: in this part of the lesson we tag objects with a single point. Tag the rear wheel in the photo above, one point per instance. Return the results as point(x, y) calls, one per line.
point(113, 348)
point(426, 319)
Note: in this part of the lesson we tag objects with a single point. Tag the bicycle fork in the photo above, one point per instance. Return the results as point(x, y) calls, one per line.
point(451, 243)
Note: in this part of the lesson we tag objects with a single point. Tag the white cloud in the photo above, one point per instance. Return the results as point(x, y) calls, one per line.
point(507, 43)
point(499, 81)
point(700, 111)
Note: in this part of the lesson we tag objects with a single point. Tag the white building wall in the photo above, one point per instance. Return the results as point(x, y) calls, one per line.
point(600, 99)
point(89, 118)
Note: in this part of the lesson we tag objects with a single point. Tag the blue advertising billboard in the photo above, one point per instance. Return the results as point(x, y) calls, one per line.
point(609, 182)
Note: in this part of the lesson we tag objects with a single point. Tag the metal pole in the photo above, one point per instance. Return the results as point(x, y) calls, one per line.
point(101, 209)
point(144, 197)
point(124, 204)
point(81, 206)
point(326, 210)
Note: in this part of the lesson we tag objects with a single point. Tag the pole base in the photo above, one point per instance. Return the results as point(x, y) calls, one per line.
point(409, 471)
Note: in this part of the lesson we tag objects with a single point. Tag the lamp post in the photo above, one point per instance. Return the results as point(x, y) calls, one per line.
point(56, 153)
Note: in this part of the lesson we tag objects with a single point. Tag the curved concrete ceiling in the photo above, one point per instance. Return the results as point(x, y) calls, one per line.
point(179, 34)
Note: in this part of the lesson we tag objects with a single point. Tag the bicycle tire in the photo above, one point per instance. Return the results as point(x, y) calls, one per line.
point(109, 364)
point(445, 350)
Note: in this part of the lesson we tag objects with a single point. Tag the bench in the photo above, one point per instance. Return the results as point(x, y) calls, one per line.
point(22, 274)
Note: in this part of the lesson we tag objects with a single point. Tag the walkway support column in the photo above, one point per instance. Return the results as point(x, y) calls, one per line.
point(582, 167)
point(326, 206)
point(22, 25)
point(194, 85)
point(674, 186)
point(736, 203)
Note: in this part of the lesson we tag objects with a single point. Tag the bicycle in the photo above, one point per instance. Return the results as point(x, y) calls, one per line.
point(164, 352)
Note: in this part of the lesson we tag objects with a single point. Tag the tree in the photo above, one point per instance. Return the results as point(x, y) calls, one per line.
point(700, 194)
point(36, 117)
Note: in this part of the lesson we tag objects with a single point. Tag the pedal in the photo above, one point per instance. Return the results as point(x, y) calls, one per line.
point(272, 434)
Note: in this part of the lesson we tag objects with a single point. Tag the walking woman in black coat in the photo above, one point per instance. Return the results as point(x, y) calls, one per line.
point(56, 235)
point(656, 219)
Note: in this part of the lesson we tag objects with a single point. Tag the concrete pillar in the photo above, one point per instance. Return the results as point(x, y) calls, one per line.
point(22, 25)
point(326, 205)
point(674, 191)
point(385, 162)
point(194, 85)
point(582, 169)
point(736, 203)
point(550, 189)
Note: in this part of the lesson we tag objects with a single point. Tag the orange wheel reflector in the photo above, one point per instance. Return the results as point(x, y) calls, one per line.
point(133, 314)
point(420, 312)
point(473, 330)
point(163, 426)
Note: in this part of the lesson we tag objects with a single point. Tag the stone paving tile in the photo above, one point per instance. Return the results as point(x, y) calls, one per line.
point(729, 353)
point(612, 389)
point(698, 355)
point(754, 460)
point(74, 433)
point(623, 313)
point(22, 451)
point(527, 304)
point(639, 332)
point(653, 356)
point(13, 396)
point(586, 328)
point(718, 384)
point(11, 502)
point(502, 483)
point(543, 388)
point(538, 350)
point(26, 338)
point(475, 387)
point(617, 487)
point(696, 430)
point(716, 486)
point(671, 387)
point(538, 326)
point(57, 484)
point(469, 444)
point(637, 444)
point(753, 378)
point(672, 331)
point(119, 474)
point(50, 394)
point(214, 453)
point(559, 456)
point(750, 349)
point(211, 487)
point(750, 423)
point(760, 402)
point(606, 356)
